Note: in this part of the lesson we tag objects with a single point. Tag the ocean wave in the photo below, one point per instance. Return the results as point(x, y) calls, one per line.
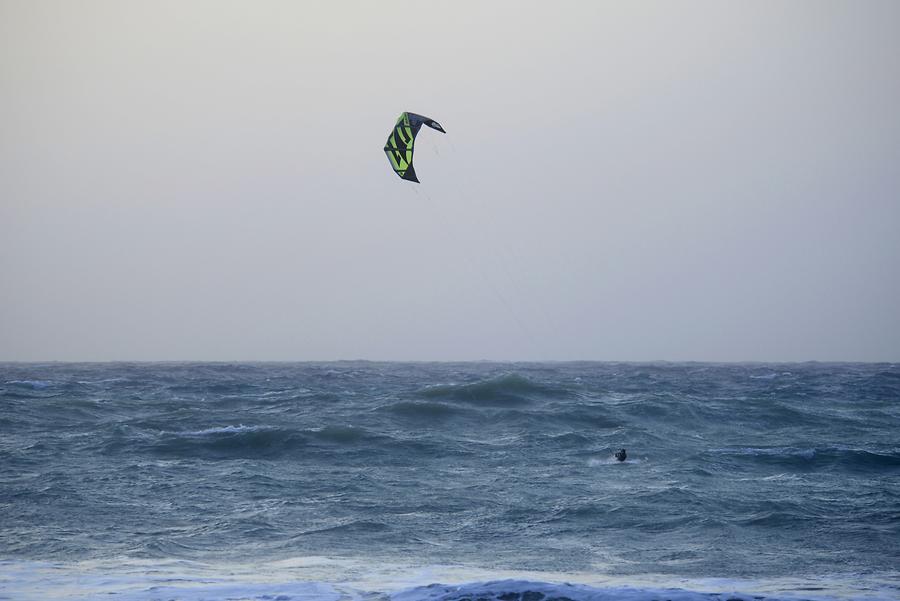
point(518, 590)
point(565, 439)
point(768, 452)
point(213, 387)
point(505, 390)
point(353, 527)
point(250, 441)
point(30, 389)
point(222, 430)
point(228, 442)
point(774, 519)
point(33, 384)
point(597, 419)
point(344, 435)
point(423, 410)
point(102, 381)
point(817, 457)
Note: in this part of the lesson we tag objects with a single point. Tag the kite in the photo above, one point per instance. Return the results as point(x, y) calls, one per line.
point(399, 145)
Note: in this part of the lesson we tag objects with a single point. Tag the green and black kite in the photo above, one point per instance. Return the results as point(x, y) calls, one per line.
point(399, 145)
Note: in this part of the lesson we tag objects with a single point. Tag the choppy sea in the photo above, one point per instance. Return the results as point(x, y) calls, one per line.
point(449, 481)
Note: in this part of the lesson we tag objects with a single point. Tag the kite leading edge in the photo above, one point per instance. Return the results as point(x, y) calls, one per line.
point(399, 145)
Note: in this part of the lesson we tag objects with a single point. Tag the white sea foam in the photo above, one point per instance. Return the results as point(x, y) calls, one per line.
point(326, 579)
point(103, 381)
point(31, 383)
point(599, 461)
point(224, 430)
point(130, 580)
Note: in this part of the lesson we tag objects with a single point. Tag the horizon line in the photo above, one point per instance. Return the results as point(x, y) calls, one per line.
point(423, 361)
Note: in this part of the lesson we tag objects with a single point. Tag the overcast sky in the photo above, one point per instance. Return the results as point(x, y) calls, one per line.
point(204, 180)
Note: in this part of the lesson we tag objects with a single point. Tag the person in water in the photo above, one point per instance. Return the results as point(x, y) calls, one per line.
point(621, 455)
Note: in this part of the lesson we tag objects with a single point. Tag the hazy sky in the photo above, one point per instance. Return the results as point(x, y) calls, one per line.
point(619, 181)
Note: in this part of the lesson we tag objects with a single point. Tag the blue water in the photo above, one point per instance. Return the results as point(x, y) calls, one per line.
point(358, 480)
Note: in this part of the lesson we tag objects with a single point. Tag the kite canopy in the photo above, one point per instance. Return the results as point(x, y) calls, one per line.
point(399, 145)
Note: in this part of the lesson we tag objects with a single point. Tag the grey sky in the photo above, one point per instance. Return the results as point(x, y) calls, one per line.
point(620, 180)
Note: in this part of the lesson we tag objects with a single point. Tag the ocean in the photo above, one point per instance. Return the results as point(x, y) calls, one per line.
point(449, 481)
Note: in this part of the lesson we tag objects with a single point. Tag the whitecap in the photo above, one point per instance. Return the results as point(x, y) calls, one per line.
point(31, 383)
point(223, 430)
